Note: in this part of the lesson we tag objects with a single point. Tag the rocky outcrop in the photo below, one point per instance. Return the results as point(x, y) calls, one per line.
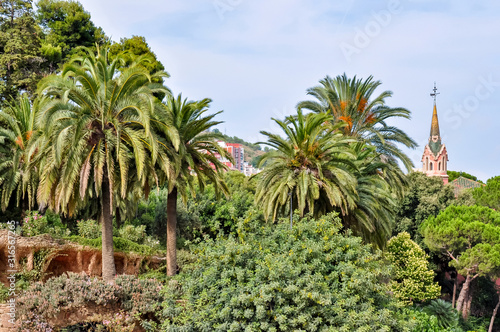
point(61, 256)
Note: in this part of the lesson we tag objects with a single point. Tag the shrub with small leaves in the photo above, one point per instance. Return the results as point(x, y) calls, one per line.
point(271, 278)
point(132, 233)
point(138, 298)
point(413, 279)
point(88, 229)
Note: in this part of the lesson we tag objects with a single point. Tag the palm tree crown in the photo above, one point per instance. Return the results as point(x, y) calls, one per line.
point(352, 101)
point(312, 163)
point(17, 132)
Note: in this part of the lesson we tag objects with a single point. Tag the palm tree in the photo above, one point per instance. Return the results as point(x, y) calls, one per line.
point(352, 101)
point(378, 185)
point(194, 162)
point(17, 131)
point(312, 163)
point(96, 121)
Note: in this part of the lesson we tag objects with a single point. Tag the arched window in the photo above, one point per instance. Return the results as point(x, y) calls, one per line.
point(426, 163)
point(430, 166)
point(439, 166)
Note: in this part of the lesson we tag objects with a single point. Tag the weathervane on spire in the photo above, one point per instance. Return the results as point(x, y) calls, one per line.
point(435, 93)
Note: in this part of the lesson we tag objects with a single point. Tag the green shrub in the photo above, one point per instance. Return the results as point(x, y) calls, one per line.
point(34, 224)
point(413, 279)
point(88, 229)
point(4, 293)
point(137, 298)
point(50, 223)
point(447, 316)
point(271, 278)
point(132, 233)
point(421, 321)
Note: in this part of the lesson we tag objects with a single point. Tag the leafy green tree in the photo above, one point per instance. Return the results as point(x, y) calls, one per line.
point(311, 278)
point(193, 162)
point(489, 195)
point(414, 280)
point(352, 101)
point(20, 60)
point(425, 196)
point(452, 175)
point(312, 165)
point(470, 237)
point(97, 136)
point(68, 26)
point(18, 129)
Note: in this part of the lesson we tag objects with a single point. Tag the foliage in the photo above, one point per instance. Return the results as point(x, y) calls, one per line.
point(133, 233)
point(351, 101)
point(470, 237)
point(96, 122)
point(196, 154)
point(138, 298)
point(310, 166)
point(421, 321)
point(20, 60)
point(204, 214)
point(413, 280)
point(425, 196)
point(88, 229)
point(489, 195)
point(119, 244)
point(319, 170)
point(134, 48)
point(447, 316)
point(4, 293)
point(68, 26)
point(18, 130)
point(273, 278)
point(36, 224)
point(452, 175)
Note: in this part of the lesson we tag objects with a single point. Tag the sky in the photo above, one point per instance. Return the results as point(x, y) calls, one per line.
point(256, 59)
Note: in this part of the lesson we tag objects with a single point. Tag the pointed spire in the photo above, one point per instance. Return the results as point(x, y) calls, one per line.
point(435, 122)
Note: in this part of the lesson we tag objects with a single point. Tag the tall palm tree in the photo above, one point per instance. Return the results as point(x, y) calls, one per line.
point(352, 101)
point(195, 161)
point(17, 131)
point(312, 163)
point(96, 121)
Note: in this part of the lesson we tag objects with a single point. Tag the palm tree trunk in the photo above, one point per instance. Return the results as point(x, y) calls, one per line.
point(490, 329)
point(171, 232)
point(118, 217)
point(108, 255)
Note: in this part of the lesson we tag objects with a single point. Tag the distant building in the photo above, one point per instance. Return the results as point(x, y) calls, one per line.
point(249, 170)
point(238, 154)
point(460, 184)
point(435, 157)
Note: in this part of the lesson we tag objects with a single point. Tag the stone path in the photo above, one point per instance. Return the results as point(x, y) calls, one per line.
point(5, 326)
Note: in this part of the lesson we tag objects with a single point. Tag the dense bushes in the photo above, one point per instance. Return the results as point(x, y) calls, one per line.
point(275, 279)
point(135, 298)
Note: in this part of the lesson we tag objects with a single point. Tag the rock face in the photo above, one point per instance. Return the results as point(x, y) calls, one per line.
point(5, 326)
point(63, 256)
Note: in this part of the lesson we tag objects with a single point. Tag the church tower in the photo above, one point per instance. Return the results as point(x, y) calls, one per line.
point(435, 157)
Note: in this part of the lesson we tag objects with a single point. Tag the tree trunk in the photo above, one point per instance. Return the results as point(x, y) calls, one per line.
point(455, 283)
point(118, 218)
point(171, 232)
point(108, 255)
point(490, 329)
point(464, 293)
